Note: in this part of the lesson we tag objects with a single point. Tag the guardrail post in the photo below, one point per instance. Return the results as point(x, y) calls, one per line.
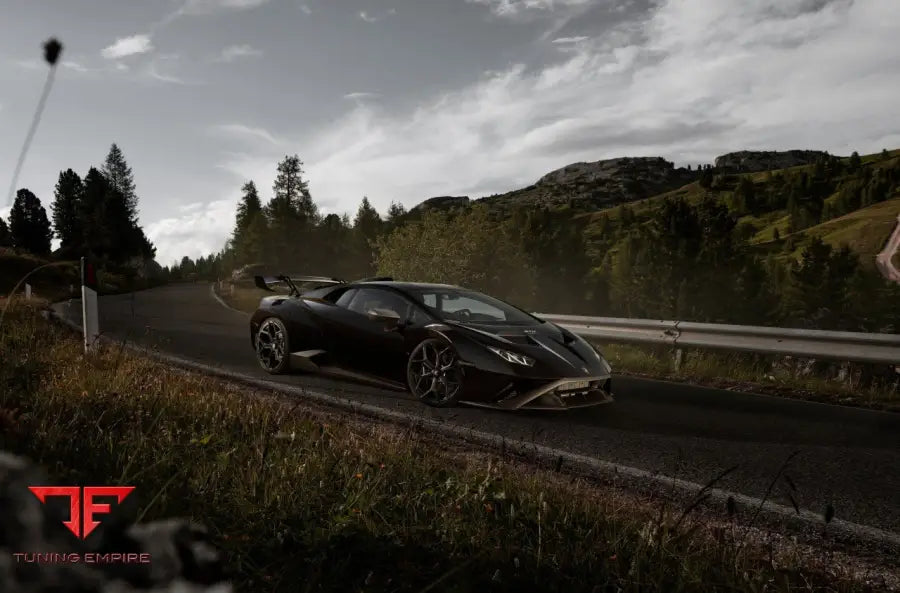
point(232, 290)
point(27, 292)
point(679, 358)
point(89, 314)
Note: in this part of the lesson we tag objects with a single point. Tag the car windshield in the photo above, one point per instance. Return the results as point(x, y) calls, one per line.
point(466, 306)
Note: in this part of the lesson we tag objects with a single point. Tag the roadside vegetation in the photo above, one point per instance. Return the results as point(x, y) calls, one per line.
point(310, 500)
point(96, 217)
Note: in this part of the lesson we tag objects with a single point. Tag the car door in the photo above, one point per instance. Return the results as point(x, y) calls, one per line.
point(381, 349)
point(340, 327)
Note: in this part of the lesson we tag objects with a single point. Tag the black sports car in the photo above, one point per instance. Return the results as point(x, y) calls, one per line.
point(445, 344)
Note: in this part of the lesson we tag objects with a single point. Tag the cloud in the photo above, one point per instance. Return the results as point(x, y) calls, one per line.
point(357, 96)
point(77, 67)
point(364, 15)
point(199, 231)
point(305, 9)
point(128, 46)
point(690, 80)
point(207, 7)
point(236, 52)
point(515, 8)
point(154, 71)
point(695, 79)
point(568, 40)
point(247, 132)
point(36, 64)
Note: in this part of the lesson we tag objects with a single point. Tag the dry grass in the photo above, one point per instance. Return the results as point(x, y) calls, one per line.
point(306, 501)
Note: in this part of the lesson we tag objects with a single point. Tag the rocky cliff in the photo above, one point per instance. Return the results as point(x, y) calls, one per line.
point(181, 558)
point(749, 161)
point(600, 184)
point(441, 203)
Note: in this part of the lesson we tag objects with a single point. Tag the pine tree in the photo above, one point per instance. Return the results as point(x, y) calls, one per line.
point(367, 226)
point(29, 225)
point(65, 207)
point(96, 237)
point(125, 237)
point(292, 217)
point(248, 237)
point(5, 235)
point(855, 162)
point(119, 175)
point(396, 212)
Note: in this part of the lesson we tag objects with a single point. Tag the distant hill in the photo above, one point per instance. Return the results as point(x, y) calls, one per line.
point(751, 161)
point(842, 205)
point(610, 182)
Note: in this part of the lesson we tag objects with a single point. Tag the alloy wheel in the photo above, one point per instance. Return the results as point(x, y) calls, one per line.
point(271, 345)
point(434, 374)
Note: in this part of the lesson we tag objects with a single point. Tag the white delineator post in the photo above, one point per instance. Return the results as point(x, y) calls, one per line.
point(89, 314)
point(27, 292)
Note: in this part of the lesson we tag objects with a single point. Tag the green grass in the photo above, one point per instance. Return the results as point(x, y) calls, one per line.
point(868, 386)
point(305, 500)
point(51, 282)
point(864, 230)
point(55, 280)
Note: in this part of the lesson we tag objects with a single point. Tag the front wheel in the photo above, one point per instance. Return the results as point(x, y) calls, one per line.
point(272, 346)
point(433, 373)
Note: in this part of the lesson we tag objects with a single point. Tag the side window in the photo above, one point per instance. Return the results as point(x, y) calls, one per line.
point(474, 307)
point(344, 300)
point(430, 300)
point(367, 299)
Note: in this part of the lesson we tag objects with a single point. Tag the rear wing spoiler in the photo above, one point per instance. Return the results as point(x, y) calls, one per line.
point(267, 282)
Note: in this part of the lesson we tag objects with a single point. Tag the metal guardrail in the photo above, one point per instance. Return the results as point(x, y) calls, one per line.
point(844, 346)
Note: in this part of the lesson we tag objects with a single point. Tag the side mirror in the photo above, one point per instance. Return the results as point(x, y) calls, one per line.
point(389, 317)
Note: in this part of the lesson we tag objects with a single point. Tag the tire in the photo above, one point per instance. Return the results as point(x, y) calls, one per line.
point(272, 346)
point(433, 373)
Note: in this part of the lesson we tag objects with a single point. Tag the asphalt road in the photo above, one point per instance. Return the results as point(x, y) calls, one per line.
point(847, 457)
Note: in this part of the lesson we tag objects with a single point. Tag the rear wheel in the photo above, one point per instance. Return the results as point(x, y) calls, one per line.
point(272, 346)
point(433, 373)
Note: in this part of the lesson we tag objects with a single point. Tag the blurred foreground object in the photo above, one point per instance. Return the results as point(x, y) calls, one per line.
point(52, 50)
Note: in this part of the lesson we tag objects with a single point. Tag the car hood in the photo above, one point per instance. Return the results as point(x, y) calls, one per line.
point(546, 342)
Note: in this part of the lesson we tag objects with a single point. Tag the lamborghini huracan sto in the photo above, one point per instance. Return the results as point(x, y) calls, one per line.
point(445, 344)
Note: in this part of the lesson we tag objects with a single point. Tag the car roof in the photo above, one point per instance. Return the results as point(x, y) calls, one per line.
point(405, 286)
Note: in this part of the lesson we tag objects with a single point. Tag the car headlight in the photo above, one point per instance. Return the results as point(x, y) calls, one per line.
point(512, 357)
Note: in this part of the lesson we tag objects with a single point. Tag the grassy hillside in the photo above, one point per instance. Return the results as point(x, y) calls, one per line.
point(864, 230)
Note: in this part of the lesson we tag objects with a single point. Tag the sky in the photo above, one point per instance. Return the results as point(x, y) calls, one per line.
point(402, 100)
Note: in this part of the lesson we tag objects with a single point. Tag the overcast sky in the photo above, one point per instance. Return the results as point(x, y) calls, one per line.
point(408, 99)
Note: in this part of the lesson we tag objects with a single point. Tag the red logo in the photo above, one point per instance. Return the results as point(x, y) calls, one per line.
point(91, 508)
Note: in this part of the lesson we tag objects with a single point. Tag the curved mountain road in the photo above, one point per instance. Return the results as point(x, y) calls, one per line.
point(885, 259)
point(847, 457)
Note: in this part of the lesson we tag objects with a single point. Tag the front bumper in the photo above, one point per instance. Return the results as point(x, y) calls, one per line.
point(561, 394)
